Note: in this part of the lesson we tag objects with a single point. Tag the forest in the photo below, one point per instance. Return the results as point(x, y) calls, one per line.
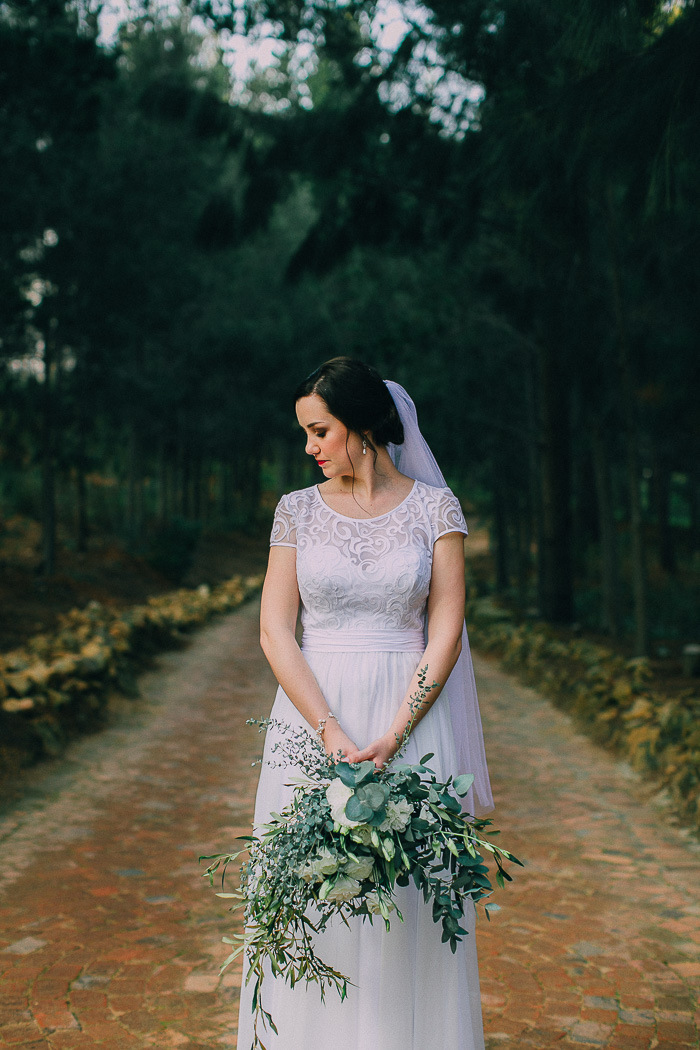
point(495, 202)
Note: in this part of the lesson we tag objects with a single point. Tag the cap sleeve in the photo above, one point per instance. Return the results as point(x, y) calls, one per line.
point(284, 526)
point(448, 515)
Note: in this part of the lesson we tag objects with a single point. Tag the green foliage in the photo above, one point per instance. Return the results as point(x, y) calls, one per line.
point(545, 228)
point(351, 834)
point(60, 684)
point(613, 698)
point(489, 214)
point(172, 547)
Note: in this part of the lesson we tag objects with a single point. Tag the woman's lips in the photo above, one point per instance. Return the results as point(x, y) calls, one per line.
point(321, 462)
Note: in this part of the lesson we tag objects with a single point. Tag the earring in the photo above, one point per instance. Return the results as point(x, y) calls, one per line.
point(364, 447)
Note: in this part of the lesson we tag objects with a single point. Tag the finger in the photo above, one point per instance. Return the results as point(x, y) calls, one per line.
point(366, 755)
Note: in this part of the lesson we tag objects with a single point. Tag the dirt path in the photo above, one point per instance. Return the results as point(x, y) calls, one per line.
point(110, 938)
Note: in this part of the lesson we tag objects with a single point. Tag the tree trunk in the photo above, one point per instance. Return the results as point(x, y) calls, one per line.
point(134, 504)
point(693, 489)
point(629, 417)
point(523, 547)
point(82, 527)
point(196, 485)
point(586, 520)
point(556, 577)
point(48, 464)
point(185, 479)
point(226, 490)
point(610, 587)
point(208, 487)
point(81, 515)
point(662, 500)
point(501, 537)
point(534, 484)
point(252, 486)
point(237, 467)
point(162, 510)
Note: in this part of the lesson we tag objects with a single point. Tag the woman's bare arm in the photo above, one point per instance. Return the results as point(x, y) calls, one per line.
point(278, 617)
point(445, 619)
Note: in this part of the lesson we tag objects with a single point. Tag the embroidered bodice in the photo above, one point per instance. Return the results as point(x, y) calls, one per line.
point(365, 574)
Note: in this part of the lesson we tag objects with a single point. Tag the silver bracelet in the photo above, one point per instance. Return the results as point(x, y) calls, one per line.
point(321, 728)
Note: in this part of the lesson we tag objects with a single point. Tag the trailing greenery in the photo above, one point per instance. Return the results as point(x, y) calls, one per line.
point(350, 836)
point(613, 698)
point(61, 683)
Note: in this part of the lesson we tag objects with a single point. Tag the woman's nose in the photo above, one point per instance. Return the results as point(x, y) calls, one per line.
point(312, 446)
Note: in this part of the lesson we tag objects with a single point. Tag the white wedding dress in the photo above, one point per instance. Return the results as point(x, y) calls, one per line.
point(364, 585)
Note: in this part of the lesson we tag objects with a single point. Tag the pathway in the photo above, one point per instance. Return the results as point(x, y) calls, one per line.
point(110, 938)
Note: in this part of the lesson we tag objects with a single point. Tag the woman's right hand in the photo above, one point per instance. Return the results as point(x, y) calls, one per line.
point(336, 740)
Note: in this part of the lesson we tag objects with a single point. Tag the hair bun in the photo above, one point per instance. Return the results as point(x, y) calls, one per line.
point(390, 429)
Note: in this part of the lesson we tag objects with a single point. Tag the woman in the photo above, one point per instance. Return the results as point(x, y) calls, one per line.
point(375, 556)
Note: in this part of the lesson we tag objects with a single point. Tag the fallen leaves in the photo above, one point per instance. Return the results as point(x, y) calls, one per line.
point(61, 682)
point(613, 698)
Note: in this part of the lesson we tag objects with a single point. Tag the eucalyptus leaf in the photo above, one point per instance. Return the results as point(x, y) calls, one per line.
point(356, 809)
point(375, 795)
point(450, 803)
point(347, 774)
point(364, 771)
point(301, 864)
point(463, 783)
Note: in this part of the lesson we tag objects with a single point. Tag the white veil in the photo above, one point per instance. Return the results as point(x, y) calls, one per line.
point(415, 459)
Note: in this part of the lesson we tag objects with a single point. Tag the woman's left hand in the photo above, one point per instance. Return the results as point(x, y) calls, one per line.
point(380, 751)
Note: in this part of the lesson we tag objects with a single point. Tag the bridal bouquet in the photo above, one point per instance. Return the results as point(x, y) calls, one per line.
point(350, 835)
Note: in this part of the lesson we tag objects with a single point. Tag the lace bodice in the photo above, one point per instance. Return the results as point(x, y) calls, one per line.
point(364, 574)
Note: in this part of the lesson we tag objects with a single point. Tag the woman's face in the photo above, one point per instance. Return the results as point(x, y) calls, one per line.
point(327, 439)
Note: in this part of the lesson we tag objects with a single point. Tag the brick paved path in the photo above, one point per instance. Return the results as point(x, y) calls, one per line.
point(110, 938)
point(598, 943)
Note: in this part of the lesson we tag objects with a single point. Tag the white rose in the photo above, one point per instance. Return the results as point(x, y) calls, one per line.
point(318, 867)
point(338, 794)
point(362, 834)
point(344, 889)
point(359, 869)
point(377, 906)
point(398, 815)
point(326, 862)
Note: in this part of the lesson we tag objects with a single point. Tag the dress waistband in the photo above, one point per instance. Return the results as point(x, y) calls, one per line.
point(318, 640)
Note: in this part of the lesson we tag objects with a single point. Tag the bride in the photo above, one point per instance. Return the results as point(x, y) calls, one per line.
point(374, 557)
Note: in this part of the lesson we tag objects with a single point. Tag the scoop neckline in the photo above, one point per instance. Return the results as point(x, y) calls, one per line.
point(376, 517)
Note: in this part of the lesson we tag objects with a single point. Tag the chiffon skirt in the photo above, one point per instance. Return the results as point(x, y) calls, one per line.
point(408, 990)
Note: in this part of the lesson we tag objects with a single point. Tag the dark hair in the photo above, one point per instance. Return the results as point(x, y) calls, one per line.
point(356, 395)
